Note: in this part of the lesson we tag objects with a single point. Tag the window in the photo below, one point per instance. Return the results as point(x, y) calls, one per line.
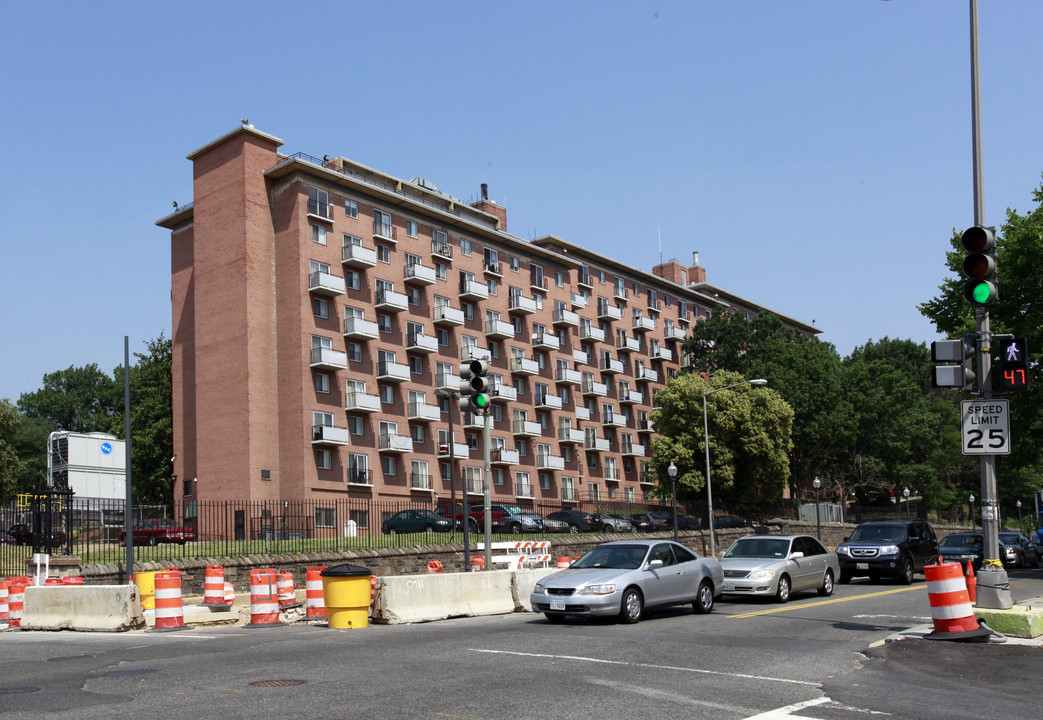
point(468, 309)
point(356, 425)
point(325, 517)
point(318, 234)
point(323, 459)
point(472, 441)
point(559, 279)
point(412, 260)
point(498, 476)
point(358, 469)
point(441, 271)
point(601, 277)
point(494, 287)
point(322, 382)
point(416, 365)
point(383, 253)
point(413, 295)
point(351, 279)
point(354, 352)
point(544, 481)
point(412, 229)
point(389, 465)
point(465, 246)
point(417, 432)
point(351, 208)
point(443, 337)
point(320, 308)
point(384, 323)
point(515, 265)
point(319, 203)
point(387, 394)
point(381, 223)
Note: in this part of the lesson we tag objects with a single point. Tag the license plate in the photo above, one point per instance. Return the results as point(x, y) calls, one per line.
point(557, 604)
point(727, 587)
point(861, 566)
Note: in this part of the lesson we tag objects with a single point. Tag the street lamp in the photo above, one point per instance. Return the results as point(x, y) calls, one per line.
point(672, 472)
point(1020, 528)
point(974, 524)
point(905, 492)
point(442, 392)
point(706, 436)
point(818, 520)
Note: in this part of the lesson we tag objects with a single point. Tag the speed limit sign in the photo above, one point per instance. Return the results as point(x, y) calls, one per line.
point(986, 427)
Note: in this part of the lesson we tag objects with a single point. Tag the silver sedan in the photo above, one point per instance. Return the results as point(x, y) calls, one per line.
point(624, 578)
point(779, 565)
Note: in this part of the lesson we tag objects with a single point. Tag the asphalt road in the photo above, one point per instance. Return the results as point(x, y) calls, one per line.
point(748, 659)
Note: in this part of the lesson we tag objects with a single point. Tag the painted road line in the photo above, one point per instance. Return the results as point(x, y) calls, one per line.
point(831, 601)
point(787, 712)
point(624, 663)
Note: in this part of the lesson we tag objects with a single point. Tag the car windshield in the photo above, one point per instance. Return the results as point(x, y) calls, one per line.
point(622, 557)
point(513, 510)
point(759, 548)
point(1010, 538)
point(166, 523)
point(962, 541)
point(888, 533)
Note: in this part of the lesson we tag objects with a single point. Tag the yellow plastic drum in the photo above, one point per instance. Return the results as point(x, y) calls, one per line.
point(345, 589)
point(146, 582)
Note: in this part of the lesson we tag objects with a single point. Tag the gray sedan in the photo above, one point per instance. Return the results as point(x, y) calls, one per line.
point(779, 565)
point(624, 578)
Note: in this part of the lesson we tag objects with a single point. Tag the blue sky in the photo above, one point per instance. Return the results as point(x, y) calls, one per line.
point(817, 154)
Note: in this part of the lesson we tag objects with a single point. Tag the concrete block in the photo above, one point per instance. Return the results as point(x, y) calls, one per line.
point(524, 581)
point(86, 608)
point(1024, 620)
point(423, 598)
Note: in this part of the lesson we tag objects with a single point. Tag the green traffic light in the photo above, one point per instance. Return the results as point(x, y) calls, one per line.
point(481, 401)
point(981, 293)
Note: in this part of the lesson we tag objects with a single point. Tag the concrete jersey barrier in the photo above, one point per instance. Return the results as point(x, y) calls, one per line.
point(423, 598)
point(87, 608)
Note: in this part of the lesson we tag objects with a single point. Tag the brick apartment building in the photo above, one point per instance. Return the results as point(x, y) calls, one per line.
point(319, 306)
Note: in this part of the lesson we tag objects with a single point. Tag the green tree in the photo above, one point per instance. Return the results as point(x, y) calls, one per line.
point(749, 439)
point(77, 399)
point(10, 464)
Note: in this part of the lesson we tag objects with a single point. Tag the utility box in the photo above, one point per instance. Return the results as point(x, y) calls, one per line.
point(92, 465)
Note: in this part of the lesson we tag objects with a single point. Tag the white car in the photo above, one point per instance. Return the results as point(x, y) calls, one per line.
point(779, 565)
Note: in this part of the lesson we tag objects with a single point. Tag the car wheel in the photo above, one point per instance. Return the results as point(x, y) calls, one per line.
point(429, 529)
point(632, 607)
point(392, 531)
point(782, 593)
point(703, 599)
point(573, 528)
point(827, 584)
point(152, 540)
point(472, 525)
point(906, 577)
point(845, 578)
point(607, 528)
point(515, 528)
point(554, 618)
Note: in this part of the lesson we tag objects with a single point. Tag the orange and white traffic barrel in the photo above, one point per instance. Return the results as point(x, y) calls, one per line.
point(229, 593)
point(4, 611)
point(434, 566)
point(16, 594)
point(314, 599)
point(170, 612)
point(264, 600)
point(372, 591)
point(951, 608)
point(972, 583)
point(72, 580)
point(563, 562)
point(287, 594)
point(477, 563)
point(214, 585)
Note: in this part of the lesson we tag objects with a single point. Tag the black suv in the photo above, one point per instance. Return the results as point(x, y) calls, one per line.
point(887, 549)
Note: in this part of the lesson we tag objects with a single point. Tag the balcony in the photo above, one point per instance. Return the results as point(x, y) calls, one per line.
point(565, 318)
point(503, 456)
point(568, 376)
point(654, 305)
point(684, 317)
point(594, 388)
point(471, 421)
point(447, 381)
point(609, 313)
point(329, 435)
point(568, 494)
point(546, 401)
point(498, 330)
point(571, 436)
point(611, 475)
point(328, 359)
point(687, 362)
point(357, 256)
point(579, 301)
point(526, 428)
point(583, 279)
point(628, 344)
point(631, 397)
point(595, 444)
point(592, 334)
point(355, 401)
point(473, 290)
point(420, 343)
point(546, 341)
point(460, 450)
point(620, 293)
point(419, 481)
point(521, 305)
point(633, 449)
point(647, 375)
point(493, 267)
point(447, 315)
point(422, 412)
point(549, 462)
point(610, 366)
point(644, 324)
point(523, 490)
point(504, 393)
point(581, 413)
point(675, 333)
point(441, 251)
point(388, 371)
point(358, 328)
point(538, 283)
point(613, 420)
point(582, 357)
point(391, 301)
point(646, 426)
point(320, 210)
point(395, 443)
point(322, 283)
point(524, 366)
point(360, 477)
point(473, 352)
point(384, 231)
point(417, 274)
point(661, 353)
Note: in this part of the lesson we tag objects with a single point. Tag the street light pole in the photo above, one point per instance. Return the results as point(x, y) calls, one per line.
point(974, 523)
point(905, 494)
point(1021, 529)
point(706, 438)
point(452, 481)
point(818, 519)
point(672, 472)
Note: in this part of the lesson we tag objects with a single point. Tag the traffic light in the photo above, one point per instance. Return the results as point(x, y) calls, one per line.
point(475, 386)
point(1012, 365)
point(959, 370)
point(980, 266)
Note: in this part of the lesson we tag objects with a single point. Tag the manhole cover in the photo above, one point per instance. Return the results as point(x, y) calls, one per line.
point(18, 690)
point(69, 657)
point(118, 673)
point(278, 683)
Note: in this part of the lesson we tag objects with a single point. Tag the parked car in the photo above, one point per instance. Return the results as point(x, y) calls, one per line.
point(159, 530)
point(625, 578)
point(778, 566)
point(1019, 550)
point(687, 522)
point(887, 549)
point(503, 518)
point(730, 521)
point(554, 525)
point(411, 521)
point(652, 522)
point(961, 547)
point(6, 538)
point(617, 523)
point(578, 521)
point(24, 534)
point(642, 523)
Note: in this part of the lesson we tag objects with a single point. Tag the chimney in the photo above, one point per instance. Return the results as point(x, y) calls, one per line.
point(488, 206)
point(696, 273)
